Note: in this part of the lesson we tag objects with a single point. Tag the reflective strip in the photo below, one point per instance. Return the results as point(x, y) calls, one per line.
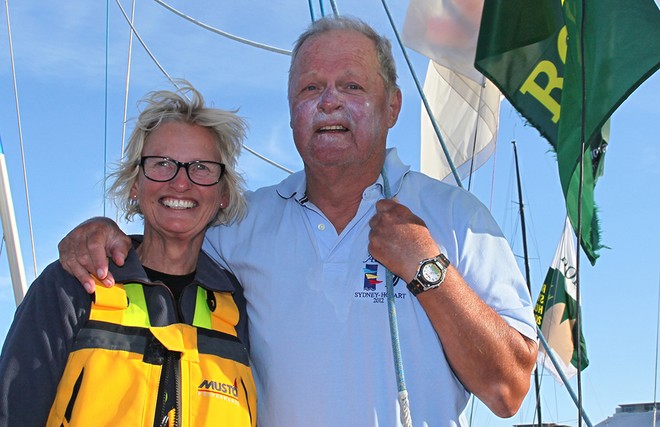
point(216, 311)
point(137, 313)
point(122, 304)
point(136, 340)
point(222, 345)
point(112, 337)
point(202, 317)
point(126, 305)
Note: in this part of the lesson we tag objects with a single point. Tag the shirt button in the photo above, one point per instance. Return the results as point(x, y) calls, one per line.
point(321, 227)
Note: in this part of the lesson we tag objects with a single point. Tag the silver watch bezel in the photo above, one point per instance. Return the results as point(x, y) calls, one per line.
point(420, 283)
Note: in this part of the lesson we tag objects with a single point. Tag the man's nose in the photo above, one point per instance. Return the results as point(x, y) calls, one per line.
point(330, 99)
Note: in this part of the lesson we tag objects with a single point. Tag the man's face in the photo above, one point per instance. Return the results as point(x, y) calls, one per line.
point(340, 110)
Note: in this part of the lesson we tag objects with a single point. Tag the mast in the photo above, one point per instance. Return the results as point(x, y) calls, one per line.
point(16, 269)
point(655, 370)
point(527, 273)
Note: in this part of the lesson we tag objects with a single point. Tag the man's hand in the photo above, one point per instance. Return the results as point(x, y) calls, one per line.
point(84, 251)
point(492, 359)
point(399, 239)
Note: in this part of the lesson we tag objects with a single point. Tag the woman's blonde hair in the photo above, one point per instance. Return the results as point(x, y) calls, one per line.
point(185, 105)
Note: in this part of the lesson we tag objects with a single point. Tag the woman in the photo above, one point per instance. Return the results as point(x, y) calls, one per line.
point(168, 345)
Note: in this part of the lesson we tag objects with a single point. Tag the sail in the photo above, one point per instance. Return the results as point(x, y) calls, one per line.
point(467, 113)
point(464, 104)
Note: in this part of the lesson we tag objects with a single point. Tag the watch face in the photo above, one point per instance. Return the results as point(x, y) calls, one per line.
point(431, 273)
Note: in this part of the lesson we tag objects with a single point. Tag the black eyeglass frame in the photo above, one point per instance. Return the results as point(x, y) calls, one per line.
point(180, 165)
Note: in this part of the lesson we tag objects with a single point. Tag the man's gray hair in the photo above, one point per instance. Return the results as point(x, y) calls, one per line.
point(382, 44)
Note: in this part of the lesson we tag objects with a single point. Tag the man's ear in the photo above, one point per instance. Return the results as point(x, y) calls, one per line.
point(396, 99)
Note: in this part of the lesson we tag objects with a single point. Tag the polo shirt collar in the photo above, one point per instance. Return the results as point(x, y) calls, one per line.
point(294, 186)
point(395, 171)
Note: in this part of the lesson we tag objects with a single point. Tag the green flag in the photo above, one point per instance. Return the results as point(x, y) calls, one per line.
point(556, 311)
point(533, 52)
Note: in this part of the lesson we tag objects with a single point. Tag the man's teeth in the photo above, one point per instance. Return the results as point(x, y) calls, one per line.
point(178, 204)
point(334, 127)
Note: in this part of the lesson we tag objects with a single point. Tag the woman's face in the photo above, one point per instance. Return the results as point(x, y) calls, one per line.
point(179, 209)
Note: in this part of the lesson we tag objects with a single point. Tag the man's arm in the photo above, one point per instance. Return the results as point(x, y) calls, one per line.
point(85, 250)
point(492, 359)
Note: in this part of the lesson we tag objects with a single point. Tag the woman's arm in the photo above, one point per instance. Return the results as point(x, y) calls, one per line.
point(37, 346)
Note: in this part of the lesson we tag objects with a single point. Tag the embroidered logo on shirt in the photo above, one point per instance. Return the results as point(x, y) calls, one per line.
point(373, 283)
point(371, 277)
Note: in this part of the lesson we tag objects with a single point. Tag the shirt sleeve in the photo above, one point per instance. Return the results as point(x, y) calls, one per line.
point(38, 344)
point(487, 263)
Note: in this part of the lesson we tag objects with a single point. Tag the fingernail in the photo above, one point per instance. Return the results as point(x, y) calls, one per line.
point(89, 287)
point(108, 283)
point(100, 273)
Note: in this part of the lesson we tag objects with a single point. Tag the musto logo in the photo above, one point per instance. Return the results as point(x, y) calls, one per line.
point(219, 390)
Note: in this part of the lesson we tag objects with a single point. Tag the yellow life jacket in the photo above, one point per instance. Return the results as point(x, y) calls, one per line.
point(114, 373)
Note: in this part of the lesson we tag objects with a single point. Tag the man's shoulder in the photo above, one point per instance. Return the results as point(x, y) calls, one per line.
point(420, 182)
point(260, 194)
point(262, 204)
point(289, 187)
point(434, 201)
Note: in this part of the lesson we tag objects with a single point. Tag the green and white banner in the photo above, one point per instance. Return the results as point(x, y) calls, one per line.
point(566, 66)
point(556, 311)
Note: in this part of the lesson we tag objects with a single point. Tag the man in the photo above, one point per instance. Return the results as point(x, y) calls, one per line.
point(312, 252)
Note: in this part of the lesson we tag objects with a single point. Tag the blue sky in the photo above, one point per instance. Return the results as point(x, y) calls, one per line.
point(68, 137)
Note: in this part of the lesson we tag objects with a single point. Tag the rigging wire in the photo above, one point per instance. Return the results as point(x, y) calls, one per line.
point(476, 132)
point(528, 277)
point(160, 67)
point(267, 160)
point(311, 10)
point(404, 403)
point(335, 10)
point(126, 88)
point(144, 45)
point(224, 33)
point(492, 179)
point(20, 140)
point(424, 100)
point(105, 101)
point(128, 80)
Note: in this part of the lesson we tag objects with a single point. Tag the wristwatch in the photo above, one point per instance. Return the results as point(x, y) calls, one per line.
point(431, 273)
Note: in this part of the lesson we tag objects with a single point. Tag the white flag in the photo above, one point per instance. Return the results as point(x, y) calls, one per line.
point(467, 114)
point(464, 104)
